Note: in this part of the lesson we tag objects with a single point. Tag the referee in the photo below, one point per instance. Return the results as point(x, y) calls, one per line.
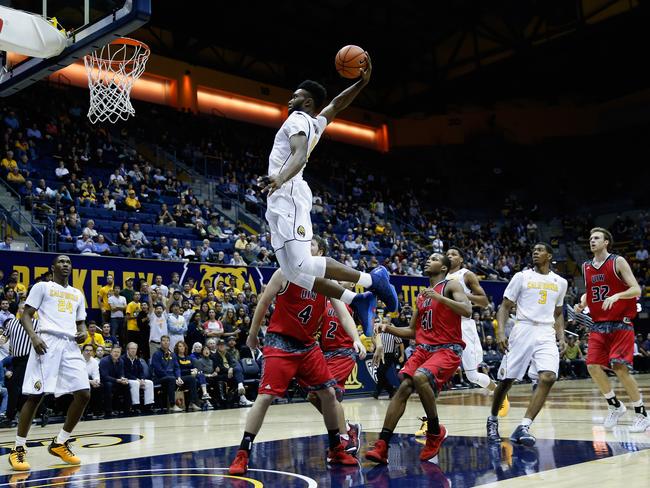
point(19, 347)
point(393, 350)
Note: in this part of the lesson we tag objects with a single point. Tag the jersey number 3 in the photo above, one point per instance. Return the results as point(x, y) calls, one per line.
point(305, 314)
point(599, 293)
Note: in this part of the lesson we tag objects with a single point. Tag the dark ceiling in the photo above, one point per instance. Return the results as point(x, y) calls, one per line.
point(428, 56)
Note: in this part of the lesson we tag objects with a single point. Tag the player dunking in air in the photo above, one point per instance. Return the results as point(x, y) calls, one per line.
point(437, 332)
point(611, 291)
point(290, 201)
point(539, 296)
point(55, 364)
point(290, 350)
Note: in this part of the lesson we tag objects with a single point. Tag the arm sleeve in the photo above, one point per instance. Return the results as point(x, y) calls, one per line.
point(514, 287)
point(296, 123)
point(35, 297)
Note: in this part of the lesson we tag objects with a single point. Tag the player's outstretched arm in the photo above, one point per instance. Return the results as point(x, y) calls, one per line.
point(276, 283)
point(297, 160)
point(403, 332)
point(345, 98)
point(349, 326)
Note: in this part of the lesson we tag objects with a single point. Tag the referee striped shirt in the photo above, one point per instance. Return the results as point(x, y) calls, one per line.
point(19, 343)
point(390, 342)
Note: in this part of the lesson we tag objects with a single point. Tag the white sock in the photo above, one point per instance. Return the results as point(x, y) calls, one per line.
point(240, 385)
point(348, 296)
point(526, 422)
point(638, 404)
point(243, 398)
point(609, 395)
point(365, 280)
point(63, 437)
point(21, 441)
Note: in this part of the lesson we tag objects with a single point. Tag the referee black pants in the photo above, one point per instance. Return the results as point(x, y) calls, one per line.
point(383, 383)
point(15, 386)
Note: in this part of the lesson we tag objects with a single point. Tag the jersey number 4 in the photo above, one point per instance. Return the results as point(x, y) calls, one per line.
point(305, 314)
point(426, 322)
point(599, 293)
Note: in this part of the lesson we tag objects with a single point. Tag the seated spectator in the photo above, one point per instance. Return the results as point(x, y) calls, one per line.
point(131, 202)
point(8, 162)
point(85, 244)
point(111, 370)
point(205, 365)
point(206, 251)
point(90, 229)
point(187, 252)
point(214, 231)
point(101, 246)
point(134, 372)
point(6, 246)
point(123, 234)
point(189, 374)
point(572, 361)
point(15, 178)
point(166, 371)
point(137, 236)
point(96, 392)
point(229, 371)
point(237, 260)
point(165, 217)
point(62, 173)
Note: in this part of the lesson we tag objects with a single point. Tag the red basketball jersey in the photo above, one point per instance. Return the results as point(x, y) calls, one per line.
point(333, 335)
point(437, 324)
point(601, 283)
point(298, 314)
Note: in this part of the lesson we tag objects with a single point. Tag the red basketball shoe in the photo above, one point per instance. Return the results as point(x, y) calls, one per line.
point(240, 463)
point(433, 444)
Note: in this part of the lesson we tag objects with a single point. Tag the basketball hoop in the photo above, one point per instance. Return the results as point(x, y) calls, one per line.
point(112, 71)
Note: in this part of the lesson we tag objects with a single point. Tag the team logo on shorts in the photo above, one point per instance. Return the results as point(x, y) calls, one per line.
point(301, 231)
point(502, 371)
point(38, 385)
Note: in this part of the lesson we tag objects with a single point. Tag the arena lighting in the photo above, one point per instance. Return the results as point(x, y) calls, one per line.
point(354, 131)
point(228, 102)
point(148, 88)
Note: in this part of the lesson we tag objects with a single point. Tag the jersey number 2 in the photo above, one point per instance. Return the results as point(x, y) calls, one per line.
point(330, 332)
point(305, 314)
point(599, 293)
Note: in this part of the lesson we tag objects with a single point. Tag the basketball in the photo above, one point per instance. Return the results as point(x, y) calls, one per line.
point(350, 60)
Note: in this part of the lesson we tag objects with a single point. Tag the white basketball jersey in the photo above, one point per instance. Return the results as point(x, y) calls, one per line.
point(536, 295)
point(460, 277)
point(312, 127)
point(59, 308)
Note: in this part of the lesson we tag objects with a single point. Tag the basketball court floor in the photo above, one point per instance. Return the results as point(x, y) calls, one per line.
point(195, 449)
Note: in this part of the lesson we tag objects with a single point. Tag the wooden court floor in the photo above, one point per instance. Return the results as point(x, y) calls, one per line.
point(194, 449)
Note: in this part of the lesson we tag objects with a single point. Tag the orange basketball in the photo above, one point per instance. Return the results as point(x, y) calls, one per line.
point(350, 60)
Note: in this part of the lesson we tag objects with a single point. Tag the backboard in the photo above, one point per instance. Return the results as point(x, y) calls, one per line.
point(91, 24)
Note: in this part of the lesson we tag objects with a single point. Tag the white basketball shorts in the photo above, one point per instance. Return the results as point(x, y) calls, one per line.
point(288, 214)
point(473, 352)
point(60, 370)
point(532, 345)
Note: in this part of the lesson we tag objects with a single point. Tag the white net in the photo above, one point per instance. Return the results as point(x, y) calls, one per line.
point(112, 71)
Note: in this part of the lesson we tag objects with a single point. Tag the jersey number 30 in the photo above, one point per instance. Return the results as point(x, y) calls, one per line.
point(599, 293)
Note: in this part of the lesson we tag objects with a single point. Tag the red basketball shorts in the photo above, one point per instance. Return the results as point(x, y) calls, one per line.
point(341, 367)
point(309, 368)
point(610, 348)
point(439, 365)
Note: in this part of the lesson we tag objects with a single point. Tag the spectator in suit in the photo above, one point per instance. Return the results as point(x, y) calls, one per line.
point(134, 372)
point(111, 372)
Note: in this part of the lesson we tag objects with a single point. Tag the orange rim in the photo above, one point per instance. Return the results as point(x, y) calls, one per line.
point(128, 42)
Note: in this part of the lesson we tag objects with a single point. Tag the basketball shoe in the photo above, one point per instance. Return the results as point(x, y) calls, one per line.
point(240, 463)
point(383, 289)
point(379, 453)
point(354, 432)
point(614, 414)
point(63, 451)
point(423, 428)
point(434, 441)
point(337, 455)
